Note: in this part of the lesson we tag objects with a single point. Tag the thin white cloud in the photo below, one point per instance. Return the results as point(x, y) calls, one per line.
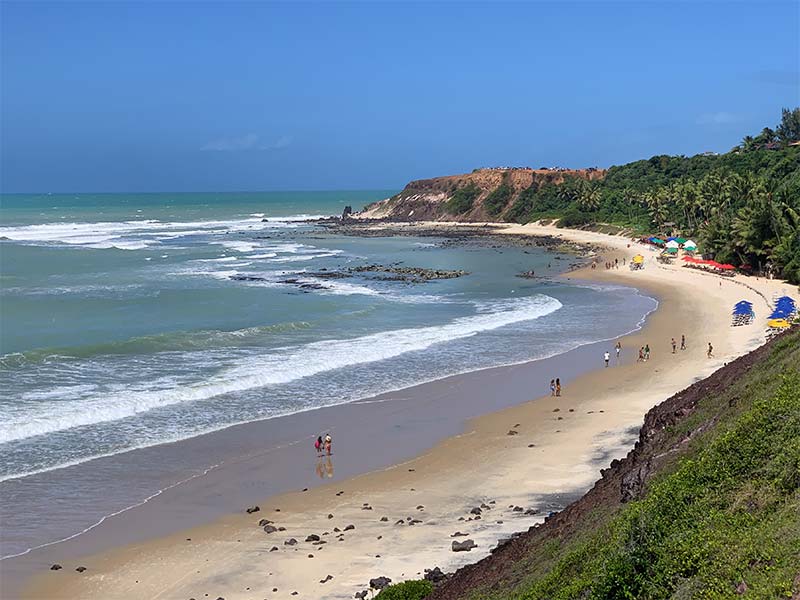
point(250, 141)
point(717, 118)
point(282, 142)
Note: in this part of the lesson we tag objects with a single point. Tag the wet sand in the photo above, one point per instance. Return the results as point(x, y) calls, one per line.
point(557, 449)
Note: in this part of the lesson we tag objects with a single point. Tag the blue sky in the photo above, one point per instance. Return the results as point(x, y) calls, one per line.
point(183, 96)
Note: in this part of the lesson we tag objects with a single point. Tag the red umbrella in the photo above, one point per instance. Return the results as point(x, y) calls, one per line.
point(726, 266)
point(689, 258)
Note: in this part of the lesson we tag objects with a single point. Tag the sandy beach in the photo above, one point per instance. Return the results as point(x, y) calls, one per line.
point(513, 465)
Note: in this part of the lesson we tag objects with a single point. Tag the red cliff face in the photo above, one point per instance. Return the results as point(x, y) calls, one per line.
point(428, 199)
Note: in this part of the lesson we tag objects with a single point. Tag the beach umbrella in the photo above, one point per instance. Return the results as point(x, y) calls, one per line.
point(689, 259)
point(778, 323)
point(673, 244)
point(671, 251)
point(689, 245)
point(727, 267)
point(680, 240)
point(638, 258)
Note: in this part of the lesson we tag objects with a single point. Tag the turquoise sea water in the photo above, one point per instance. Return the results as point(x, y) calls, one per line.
point(130, 320)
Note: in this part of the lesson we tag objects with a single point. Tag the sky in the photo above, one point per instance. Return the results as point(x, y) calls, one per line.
point(222, 96)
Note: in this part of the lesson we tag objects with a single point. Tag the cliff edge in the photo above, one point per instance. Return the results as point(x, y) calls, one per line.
point(483, 195)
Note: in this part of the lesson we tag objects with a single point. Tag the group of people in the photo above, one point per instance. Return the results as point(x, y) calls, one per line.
point(323, 446)
point(617, 350)
point(609, 264)
point(555, 387)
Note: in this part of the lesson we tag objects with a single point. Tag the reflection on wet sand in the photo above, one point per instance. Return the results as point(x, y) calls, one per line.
point(325, 468)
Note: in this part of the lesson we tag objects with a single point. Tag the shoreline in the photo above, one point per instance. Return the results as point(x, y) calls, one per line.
point(449, 465)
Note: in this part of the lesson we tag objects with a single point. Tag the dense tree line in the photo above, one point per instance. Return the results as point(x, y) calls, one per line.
point(742, 207)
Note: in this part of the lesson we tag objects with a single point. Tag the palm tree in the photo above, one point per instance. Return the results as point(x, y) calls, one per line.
point(658, 209)
point(631, 198)
point(589, 197)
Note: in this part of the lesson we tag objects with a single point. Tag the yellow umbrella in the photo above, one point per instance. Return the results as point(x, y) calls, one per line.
point(638, 258)
point(778, 323)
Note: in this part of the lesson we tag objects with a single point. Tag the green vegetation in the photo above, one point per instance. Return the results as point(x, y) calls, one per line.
point(742, 207)
point(722, 518)
point(500, 196)
point(462, 199)
point(408, 590)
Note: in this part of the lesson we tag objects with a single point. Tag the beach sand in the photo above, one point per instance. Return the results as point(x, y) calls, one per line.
point(536, 456)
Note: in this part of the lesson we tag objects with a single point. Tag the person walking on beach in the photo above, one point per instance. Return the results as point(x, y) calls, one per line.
point(710, 350)
point(318, 445)
point(558, 386)
point(606, 356)
point(646, 352)
point(641, 355)
point(552, 387)
point(328, 442)
point(683, 342)
point(618, 349)
point(674, 345)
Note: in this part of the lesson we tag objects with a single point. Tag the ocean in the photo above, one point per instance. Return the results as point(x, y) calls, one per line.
point(131, 320)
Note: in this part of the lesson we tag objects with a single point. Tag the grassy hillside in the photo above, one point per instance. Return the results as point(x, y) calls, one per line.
point(706, 506)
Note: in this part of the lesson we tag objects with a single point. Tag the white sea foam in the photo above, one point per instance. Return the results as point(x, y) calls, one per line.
point(138, 234)
point(341, 288)
point(305, 257)
point(262, 370)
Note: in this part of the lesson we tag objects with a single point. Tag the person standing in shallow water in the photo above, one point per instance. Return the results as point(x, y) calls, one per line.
point(552, 387)
point(558, 386)
point(618, 349)
point(328, 443)
point(606, 357)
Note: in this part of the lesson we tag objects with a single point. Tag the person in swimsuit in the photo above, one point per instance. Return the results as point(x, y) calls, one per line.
point(328, 443)
point(552, 387)
point(318, 445)
point(558, 386)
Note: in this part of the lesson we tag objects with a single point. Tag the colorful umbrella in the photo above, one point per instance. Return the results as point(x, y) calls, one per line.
point(778, 323)
point(673, 244)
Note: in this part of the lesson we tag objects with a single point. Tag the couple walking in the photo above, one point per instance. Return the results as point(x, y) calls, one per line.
point(555, 387)
point(675, 344)
point(323, 445)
